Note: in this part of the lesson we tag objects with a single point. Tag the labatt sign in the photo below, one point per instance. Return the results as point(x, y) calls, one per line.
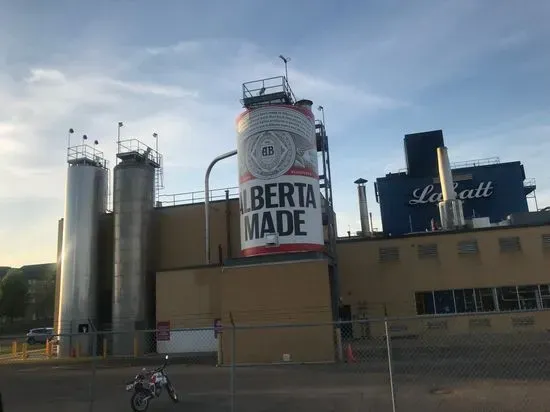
point(427, 194)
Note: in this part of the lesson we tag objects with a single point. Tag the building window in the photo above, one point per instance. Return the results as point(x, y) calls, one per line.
point(544, 291)
point(501, 299)
point(528, 297)
point(425, 303)
point(427, 251)
point(467, 247)
point(388, 254)
point(509, 244)
point(464, 300)
point(485, 300)
point(444, 302)
point(508, 298)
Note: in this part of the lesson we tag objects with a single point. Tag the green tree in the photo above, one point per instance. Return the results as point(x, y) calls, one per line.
point(44, 299)
point(13, 295)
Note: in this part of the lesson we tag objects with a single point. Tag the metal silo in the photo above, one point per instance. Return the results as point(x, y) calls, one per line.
point(133, 203)
point(278, 175)
point(85, 200)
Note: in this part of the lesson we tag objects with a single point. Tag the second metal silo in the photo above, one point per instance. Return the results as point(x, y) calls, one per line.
point(133, 203)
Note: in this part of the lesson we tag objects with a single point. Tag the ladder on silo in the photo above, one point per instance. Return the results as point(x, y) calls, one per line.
point(159, 181)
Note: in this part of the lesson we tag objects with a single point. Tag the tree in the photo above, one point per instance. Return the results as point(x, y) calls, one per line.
point(44, 300)
point(13, 295)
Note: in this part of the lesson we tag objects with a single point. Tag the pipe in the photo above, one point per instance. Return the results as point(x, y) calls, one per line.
point(363, 207)
point(445, 175)
point(228, 224)
point(371, 225)
point(207, 200)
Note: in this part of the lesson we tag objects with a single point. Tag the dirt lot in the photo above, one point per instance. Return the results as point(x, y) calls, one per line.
point(450, 386)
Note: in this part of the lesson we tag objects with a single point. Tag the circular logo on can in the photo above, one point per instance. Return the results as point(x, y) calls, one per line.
point(270, 154)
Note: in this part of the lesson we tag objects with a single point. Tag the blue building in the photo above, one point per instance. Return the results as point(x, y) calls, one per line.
point(408, 199)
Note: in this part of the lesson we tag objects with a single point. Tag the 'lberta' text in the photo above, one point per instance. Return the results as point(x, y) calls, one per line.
point(290, 201)
point(428, 195)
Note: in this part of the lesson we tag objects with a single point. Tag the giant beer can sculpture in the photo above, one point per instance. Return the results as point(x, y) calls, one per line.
point(280, 198)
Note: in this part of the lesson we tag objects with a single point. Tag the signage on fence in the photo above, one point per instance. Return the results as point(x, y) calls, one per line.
point(217, 327)
point(83, 328)
point(163, 331)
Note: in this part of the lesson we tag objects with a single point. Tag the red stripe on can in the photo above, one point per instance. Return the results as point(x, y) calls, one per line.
point(287, 248)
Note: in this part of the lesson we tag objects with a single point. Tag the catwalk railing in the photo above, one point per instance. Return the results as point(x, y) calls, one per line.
point(186, 198)
point(445, 363)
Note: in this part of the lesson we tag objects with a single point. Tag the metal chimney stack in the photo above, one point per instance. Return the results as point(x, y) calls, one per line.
point(450, 208)
point(363, 207)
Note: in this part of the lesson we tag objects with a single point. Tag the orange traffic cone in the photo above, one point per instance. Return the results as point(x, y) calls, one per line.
point(349, 354)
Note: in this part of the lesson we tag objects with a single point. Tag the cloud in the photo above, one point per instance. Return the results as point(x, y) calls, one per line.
point(195, 121)
point(187, 87)
point(182, 47)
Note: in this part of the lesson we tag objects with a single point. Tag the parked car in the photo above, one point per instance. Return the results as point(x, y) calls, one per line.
point(39, 335)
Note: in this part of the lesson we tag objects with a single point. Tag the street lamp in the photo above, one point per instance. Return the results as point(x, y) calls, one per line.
point(120, 124)
point(71, 131)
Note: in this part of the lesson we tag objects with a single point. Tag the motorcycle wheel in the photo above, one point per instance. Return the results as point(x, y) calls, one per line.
point(139, 401)
point(172, 393)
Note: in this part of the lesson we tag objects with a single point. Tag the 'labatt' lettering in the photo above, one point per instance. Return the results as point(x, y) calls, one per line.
point(428, 195)
point(257, 203)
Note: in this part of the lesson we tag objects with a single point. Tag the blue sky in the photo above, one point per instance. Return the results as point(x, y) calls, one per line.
point(381, 69)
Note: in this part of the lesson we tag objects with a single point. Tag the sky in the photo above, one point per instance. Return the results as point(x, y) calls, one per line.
point(381, 69)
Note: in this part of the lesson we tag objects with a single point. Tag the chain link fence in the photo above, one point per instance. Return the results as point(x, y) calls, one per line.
point(446, 363)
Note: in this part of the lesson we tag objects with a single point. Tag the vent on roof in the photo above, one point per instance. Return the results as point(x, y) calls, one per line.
point(467, 247)
point(546, 242)
point(427, 251)
point(388, 254)
point(509, 244)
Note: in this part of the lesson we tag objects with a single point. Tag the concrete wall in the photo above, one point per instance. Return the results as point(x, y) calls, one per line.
point(282, 293)
point(189, 298)
point(367, 282)
point(180, 235)
point(290, 293)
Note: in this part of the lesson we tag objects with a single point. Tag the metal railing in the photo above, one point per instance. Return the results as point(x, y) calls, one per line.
point(267, 87)
point(187, 198)
point(468, 163)
point(446, 363)
point(135, 146)
point(86, 153)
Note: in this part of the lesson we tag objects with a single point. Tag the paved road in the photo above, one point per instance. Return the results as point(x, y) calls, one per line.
point(321, 388)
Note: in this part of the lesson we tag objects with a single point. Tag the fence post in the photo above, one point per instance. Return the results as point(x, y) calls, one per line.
point(233, 363)
point(14, 348)
point(390, 365)
point(104, 348)
point(92, 382)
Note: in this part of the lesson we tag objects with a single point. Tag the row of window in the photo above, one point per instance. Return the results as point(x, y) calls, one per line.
point(464, 247)
point(504, 299)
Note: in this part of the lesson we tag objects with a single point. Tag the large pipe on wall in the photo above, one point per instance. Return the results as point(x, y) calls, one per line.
point(445, 174)
point(450, 208)
point(207, 201)
point(363, 206)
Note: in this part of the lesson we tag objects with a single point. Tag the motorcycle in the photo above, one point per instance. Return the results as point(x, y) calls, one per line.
point(148, 385)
